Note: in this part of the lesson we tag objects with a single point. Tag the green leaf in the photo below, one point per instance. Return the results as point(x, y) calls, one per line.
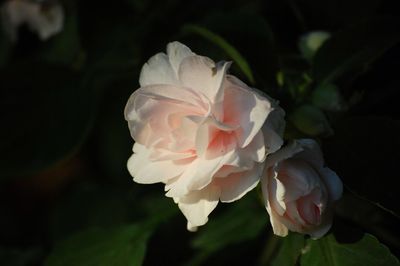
point(310, 120)
point(120, 246)
point(19, 257)
point(289, 251)
point(327, 251)
point(224, 45)
point(89, 205)
point(363, 152)
point(311, 42)
point(327, 97)
point(352, 50)
point(93, 205)
point(243, 221)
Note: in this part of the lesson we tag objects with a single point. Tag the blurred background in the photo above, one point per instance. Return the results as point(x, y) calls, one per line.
point(66, 197)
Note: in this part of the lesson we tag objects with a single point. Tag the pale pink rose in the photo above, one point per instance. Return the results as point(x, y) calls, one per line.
point(199, 131)
point(46, 18)
point(299, 190)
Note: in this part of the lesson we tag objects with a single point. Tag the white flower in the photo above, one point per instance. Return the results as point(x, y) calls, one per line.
point(44, 19)
point(200, 131)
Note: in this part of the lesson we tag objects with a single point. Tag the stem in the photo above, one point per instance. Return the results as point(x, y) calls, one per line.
point(298, 14)
point(271, 246)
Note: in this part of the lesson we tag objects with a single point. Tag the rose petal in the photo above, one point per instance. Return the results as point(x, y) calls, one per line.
point(276, 192)
point(149, 112)
point(145, 171)
point(293, 213)
point(255, 151)
point(245, 107)
point(158, 70)
point(311, 152)
point(197, 205)
point(310, 207)
point(172, 94)
point(244, 159)
point(278, 227)
point(273, 129)
point(203, 75)
point(190, 227)
point(167, 155)
point(322, 229)
point(212, 135)
point(286, 152)
point(183, 137)
point(298, 178)
point(227, 170)
point(176, 52)
point(333, 183)
point(236, 185)
point(198, 175)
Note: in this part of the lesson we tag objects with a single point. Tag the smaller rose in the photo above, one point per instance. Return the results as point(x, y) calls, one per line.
point(298, 190)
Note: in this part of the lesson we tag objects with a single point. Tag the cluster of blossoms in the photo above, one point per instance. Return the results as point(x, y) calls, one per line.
point(209, 137)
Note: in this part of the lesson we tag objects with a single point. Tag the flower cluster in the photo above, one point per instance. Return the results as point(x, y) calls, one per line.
point(209, 137)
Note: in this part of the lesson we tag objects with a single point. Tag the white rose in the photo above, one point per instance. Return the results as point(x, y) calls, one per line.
point(199, 131)
point(299, 190)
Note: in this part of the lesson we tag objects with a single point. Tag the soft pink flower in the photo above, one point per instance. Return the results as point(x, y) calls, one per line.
point(200, 131)
point(299, 190)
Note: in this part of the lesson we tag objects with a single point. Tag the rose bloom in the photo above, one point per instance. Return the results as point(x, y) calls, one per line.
point(299, 190)
point(201, 132)
point(46, 18)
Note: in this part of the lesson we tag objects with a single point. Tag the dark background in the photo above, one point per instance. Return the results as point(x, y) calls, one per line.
point(64, 142)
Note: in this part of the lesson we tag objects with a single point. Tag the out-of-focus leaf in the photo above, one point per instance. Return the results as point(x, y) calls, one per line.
point(120, 246)
point(224, 45)
point(289, 251)
point(47, 115)
point(327, 97)
point(5, 45)
point(363, 152)
point(241, 222)
point(352, 50)
point(17, 257)
point(367, 252)
point(90, 205)
point(311, 42)
point(310, 120)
